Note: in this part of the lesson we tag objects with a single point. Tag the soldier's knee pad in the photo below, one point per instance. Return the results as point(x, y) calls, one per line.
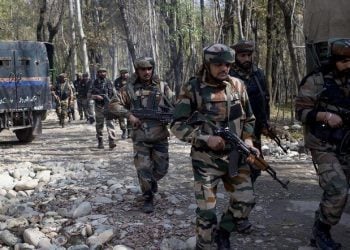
point(208, 215)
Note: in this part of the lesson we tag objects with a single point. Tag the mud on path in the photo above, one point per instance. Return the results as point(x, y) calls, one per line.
point(107, 180)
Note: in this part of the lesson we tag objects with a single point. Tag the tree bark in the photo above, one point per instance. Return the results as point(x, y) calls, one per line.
point(125, 24)
point(74, 62)
point(82, 38)
point(53, 28)
point(40, 26)
point(269, 39)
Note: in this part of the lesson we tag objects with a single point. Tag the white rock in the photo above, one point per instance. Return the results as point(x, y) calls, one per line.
point(192, 206)
point(83, 209)
point(101, 238)
point(173, 244)
point(121, 247)
point(11, 194)
point(191, 243)
point(26, 185)
point(43, 176)
point(6, 181)
point(33, 236)
point(14, 223)
point(9, 238)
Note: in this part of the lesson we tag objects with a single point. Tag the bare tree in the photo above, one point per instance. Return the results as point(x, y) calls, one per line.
point(82, 37)
point(40, 31)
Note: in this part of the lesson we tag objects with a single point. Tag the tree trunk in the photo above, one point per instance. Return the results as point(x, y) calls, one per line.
point(125, 24)
point(40, 26)
point(53, 28)
point(240, 27)
point(202, 23)
point(269, 27)
point(82, 38)
point(73, 40)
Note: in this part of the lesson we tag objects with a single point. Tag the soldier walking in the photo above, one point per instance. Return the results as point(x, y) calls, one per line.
point(102, 91)
point(255, 82)
point(63, 94)
point(118, 84)
point(82, 88)
point(323, 105)
point(146, 93)
point(224, 101)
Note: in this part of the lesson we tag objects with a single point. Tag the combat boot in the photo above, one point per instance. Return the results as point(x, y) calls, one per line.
point(124, 136)
point(223, 240)
point(100, 143)
point(129, 133)
point(243, 226)
point(148, 203)
point(322, 238)
point(112, 144)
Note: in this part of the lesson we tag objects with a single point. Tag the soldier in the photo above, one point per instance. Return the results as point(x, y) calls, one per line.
point(321, 106)
point(102, 91)
point(90, 104)
point(63, 95)
point(81, 89)
point(224, 101)
point(118, 84)
point(145, 93)
point(71, 108)
point(255, 82)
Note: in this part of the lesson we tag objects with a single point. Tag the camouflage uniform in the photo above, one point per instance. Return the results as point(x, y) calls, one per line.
point(150, 140)
point(211, 99)
point(105, 88)
point(325, 91)
point(123, 123)
point(255, 82)
point(82, 88)
point(63, 94)
point(71, 108)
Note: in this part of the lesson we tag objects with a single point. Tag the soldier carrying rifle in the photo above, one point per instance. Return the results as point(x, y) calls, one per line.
point(224, 101)
point(63, 94)
point(141, 100)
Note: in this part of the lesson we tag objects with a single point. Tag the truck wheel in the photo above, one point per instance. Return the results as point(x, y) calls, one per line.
point(25, 135)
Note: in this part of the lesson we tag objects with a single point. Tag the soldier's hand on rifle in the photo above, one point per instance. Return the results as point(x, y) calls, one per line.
point(135, 122)
point(249, 143)
point(97, 97)
point(333, 120)
point(216, 143)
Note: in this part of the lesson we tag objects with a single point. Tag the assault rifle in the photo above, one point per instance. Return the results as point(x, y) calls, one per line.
point(164, 117)
point(272, 135)
point(342, 112)
point(237, 144)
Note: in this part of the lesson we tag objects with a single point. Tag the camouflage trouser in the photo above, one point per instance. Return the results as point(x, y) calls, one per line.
point(152, 163)
point(100, 118)
point(334, 172)
point(62, 110)
point(83, 107)
point(208, 171)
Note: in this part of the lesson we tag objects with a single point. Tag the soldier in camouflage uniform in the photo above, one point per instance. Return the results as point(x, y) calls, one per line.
point(63, 94)
point(255, 83)
point(322, 96)
point(144, 92)
point(102, 91)
point(83, 101)
point(118, 84)
point(224, 101)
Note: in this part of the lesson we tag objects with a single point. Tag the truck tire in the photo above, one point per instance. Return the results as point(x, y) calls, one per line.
point(25, 135)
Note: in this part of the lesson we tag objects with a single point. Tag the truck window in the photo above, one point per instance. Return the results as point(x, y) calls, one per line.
point(5, 62)
point(24, 61)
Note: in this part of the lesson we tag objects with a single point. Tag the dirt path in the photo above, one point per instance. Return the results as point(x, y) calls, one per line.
point(282, 219)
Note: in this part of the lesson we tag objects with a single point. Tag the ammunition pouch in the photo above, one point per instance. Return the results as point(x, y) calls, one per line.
point(340, 137)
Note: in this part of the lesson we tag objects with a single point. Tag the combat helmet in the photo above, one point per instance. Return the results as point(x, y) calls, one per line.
point(101, 69)
point(218, 53)
point(144, 62)
point(338, 48)
point(244, 46)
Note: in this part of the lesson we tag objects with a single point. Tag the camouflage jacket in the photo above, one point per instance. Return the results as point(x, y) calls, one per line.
point(102, 87)
point(258, 93)
point(212, 101)
point(138, 96)
point(63, 91)
point(321, 92)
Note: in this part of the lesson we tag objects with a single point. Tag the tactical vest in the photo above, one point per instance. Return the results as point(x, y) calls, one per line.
point(257, 92)
point(63, 91)
point(332, 98)
point(151, 98)
point(102, 87)
point(221, 105)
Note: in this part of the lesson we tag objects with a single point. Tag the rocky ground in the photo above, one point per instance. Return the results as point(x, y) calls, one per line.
point(61, 192)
